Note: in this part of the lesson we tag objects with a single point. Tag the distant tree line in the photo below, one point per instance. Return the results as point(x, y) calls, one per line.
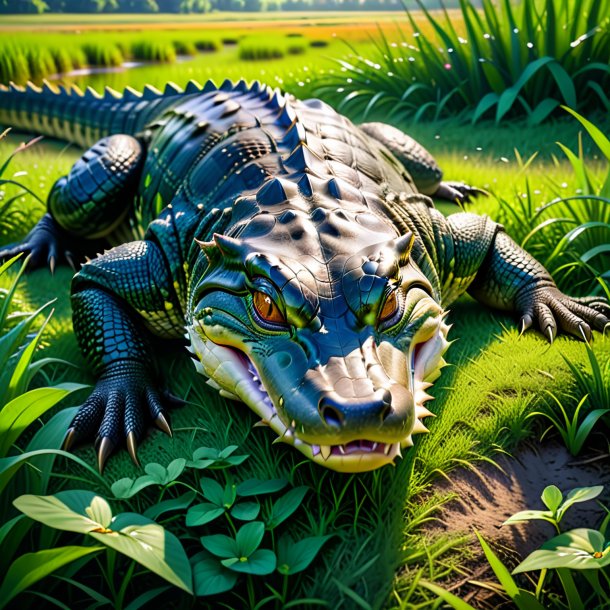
point(189, 6)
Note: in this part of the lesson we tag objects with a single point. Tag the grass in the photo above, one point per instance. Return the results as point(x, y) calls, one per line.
point(503, 60)
point(377, 554)
point(377, 550)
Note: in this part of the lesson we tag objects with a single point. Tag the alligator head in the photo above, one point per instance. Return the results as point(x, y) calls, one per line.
point(319, 319)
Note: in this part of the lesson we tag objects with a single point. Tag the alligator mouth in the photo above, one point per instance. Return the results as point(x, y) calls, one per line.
point(232, 373)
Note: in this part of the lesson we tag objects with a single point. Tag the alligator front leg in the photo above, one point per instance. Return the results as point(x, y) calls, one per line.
point(85, 206)
point(510, 279)
point(117, 299)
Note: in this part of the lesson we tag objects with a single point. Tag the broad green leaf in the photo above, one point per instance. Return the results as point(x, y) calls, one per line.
point(31, 567)
point(220, 545)
point(261, 562)
point(210, 577)
point(552, 497)
point(203, 513)
point(581, 494)
point(529, 515)
point(66, 510)
point(293, 557)
point(446, 596)
point(212, 491)
point(246, 511)
point(99, 511)
point(151, 545)
point(286, 505)
point(253, 487)
point(180, 503)
point(579, 549)
point(249, 537)
point(20, 412)
point(596, 134)
point(227, 451)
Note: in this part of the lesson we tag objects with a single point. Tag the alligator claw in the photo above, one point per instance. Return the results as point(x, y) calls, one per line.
point(162, 423)
point(69, 439)
point(104, 449)
point(553, 310)
point(132, 448)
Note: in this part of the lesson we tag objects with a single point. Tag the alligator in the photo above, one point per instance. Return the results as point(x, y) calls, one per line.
point(301, 254)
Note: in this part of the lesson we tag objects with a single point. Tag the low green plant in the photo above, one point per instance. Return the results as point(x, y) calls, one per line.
point(509, 59)
point(572, 430)
point(596, 382)
point(556, 504)
point(585, 550)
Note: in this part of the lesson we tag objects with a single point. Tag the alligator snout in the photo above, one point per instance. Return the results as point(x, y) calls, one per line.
point(338, 411)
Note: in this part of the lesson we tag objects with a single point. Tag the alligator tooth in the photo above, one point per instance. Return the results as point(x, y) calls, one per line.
point(293, 424)
point(398, 452)
point(342, 449)
point(387, 448)
point(418, 427)
point(229, 395)
point(315, 449)
point(281, 401)
point(255, 378)
point(374, 446)
point(261, 424)
point(421, 411)
point(325, 451)
point(199, 367)
point(407, 442)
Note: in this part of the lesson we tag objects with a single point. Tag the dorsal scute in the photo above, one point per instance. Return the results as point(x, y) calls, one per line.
point(276, 191)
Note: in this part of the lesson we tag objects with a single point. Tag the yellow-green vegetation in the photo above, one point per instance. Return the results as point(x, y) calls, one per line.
point(326, 539)
point(375, 551)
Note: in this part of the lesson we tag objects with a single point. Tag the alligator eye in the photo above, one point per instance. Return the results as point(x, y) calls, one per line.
point(267, 309)
point(389, 307)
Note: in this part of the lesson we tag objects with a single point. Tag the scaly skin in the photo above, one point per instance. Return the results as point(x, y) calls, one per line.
point(297, 251)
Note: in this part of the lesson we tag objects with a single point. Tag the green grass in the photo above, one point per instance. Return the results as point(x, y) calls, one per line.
point(495, 378)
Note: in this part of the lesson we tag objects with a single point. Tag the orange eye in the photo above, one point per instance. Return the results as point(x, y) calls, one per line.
point(389, 307)
point(267, 309)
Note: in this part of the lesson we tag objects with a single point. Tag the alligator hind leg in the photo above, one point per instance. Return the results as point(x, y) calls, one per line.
point(86, 205)
point(420, 164)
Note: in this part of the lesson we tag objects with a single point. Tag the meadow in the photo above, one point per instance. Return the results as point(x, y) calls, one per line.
point(367, 540)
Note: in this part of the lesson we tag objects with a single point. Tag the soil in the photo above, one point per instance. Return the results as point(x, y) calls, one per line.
point(488, 495)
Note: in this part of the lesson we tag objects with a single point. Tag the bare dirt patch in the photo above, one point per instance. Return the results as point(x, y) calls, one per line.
point(487, 496)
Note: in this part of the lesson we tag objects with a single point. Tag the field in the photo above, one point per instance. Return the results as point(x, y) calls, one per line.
point(378, 540)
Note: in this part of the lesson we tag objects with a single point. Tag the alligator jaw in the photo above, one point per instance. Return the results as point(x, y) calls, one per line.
point(231, 372)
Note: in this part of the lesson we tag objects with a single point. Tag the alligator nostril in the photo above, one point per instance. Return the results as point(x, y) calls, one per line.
point(386, 412)
point(387, 409)
point(331, 415)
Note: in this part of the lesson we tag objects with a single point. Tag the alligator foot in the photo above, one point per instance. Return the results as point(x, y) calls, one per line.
point(118, 410)
point(458, 192)
point(48, 244)
point(550, 308)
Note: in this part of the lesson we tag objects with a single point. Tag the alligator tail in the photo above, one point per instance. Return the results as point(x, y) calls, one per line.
point(83, 118)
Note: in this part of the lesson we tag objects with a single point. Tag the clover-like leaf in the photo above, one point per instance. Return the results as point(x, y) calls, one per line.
point(249, 537)
point(210, 577)
point(254, 487)
point(174, 469)
point(246, 511)
point(259, 563)
point(203, 513)
point(286, 505)
point(579, 549)
point(293, 557)
point(126, 488)
point(212, 491)
point(156, 472)
point(220, 545)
